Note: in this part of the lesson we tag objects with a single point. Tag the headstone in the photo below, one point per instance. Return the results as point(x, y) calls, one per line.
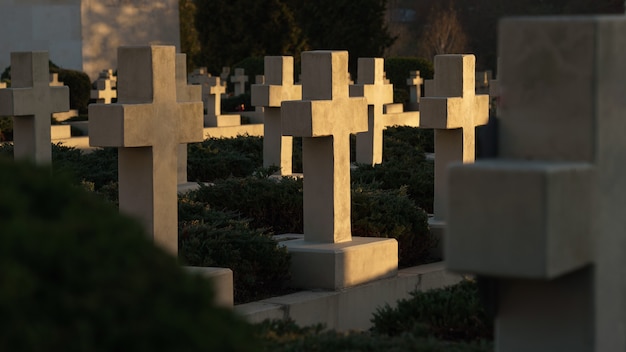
point(328, 256)
point(201, 77)
point(54, 80)
point(239, 81)
point(31, 101)
point(147, 124)
point(371, 85)
point(108, 74)
point(414, 82)
point(453, 111)
point(550, 229)
point(3, 85)
point(429, 87)
point(482, 81)
point(278, 87)
point(60, 131)
point(104, 92)
point(185, 93)
point(225, 74)
point(214, 117)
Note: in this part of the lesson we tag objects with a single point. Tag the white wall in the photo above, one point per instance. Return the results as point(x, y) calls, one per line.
point(84, 34)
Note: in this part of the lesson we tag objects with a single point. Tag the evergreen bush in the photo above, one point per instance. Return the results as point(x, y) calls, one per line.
point(75, 275)
point(220, 239)
point(452, 313)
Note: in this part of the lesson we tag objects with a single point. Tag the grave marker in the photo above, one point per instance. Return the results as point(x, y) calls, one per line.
point(278, 87)
point(414, 82)
point(104, 92)
point(147, 124)
point(550, 229)
point(453, 111)
point(239, 81)
point(371, 85)
point(31, 101)
point(328, 256)
point(214, 117)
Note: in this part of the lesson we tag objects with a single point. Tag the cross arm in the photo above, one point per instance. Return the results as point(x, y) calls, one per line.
point(121, 125)
point(450, 113)
point(273, 95)
point(347, 115)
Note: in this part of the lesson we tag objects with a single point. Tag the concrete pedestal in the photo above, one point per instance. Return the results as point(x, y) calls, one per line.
point(335, 266)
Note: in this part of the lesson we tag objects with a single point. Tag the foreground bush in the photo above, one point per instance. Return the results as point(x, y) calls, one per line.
point(77, 276)
point(217, 158)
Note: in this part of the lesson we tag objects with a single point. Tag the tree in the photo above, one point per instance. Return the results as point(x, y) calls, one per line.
point(443, 33)
point(189, 43)
point(356, 26)
point(231, 30)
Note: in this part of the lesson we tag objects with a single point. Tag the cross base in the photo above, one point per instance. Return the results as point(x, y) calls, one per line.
point(335, 266)
point(222, 120)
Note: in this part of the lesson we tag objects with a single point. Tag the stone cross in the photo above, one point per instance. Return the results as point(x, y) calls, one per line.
point(185, 93)
point(239, 80)
point(453, 111)
point(54, 80)
point(550, 229)
point(108, 74)
point(371, 85)
point(278, 87)
point(104, 92)
point(32, 101)
point(324, 119)
point(201, 77)
point(329, 257)
point(414, 82)
point(147, 124)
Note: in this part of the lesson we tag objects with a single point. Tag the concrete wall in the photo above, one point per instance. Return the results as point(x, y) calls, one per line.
point(84, 34)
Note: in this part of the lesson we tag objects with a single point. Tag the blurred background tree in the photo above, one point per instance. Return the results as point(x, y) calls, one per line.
point(216, 33)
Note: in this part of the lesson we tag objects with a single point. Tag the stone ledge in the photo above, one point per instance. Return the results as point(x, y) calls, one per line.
point(351, 308)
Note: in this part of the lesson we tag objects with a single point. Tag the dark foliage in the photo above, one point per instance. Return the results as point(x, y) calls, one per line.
point(453, 313)
point(221, 239)
point(75, 275)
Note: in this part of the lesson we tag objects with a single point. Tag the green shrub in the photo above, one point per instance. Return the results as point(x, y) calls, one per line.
point(451, 313)
point(217, 158)
point(391, 214)
point(80, 88)
point(277, 204)
point(404, 164)
point(272, 204)
point(286, 336)
point(75, 275)
point(216, 238)
point(6, 128)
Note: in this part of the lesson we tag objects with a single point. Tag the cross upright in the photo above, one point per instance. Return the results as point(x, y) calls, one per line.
point(239, 80)
point(147, 124)
point(214, 96)
point(31, 101)
point(371, 85)
point(454, 111)
point(415, 89)
point(325, 118)
point(278, 87)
